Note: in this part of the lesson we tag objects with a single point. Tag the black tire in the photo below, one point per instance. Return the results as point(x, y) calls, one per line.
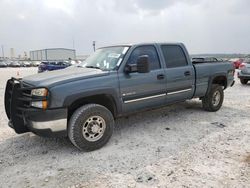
point(243, 81)
point(208, 101)
point(79, 122)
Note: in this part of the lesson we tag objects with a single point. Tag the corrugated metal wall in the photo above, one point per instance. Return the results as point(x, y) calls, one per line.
point(52, 54)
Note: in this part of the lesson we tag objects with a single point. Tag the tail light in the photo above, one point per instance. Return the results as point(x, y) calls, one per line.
point(242, 66)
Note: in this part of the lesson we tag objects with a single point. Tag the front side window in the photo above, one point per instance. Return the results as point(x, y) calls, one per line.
point(150, 51)
point(174, 56)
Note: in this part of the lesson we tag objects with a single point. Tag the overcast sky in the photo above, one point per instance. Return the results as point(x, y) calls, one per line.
point(205, 26)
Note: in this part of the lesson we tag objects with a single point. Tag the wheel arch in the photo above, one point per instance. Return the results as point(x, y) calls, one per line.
point(106, 99)
point(220, 79)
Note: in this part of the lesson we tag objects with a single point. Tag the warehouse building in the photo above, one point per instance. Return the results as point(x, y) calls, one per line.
point(52, 54)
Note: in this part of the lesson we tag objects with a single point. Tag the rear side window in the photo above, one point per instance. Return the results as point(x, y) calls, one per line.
point(174, 56)
point(150, 51)
point(60, 63)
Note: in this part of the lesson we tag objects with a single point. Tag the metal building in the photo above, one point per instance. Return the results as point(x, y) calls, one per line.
point(52, 54)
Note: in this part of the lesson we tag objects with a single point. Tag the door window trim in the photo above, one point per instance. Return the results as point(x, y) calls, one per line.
point(156, 51)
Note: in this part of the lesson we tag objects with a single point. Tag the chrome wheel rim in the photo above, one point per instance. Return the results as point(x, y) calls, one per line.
point(216, 98)
point(93, 128)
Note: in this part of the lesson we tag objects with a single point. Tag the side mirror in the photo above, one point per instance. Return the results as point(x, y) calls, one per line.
point(130, 68)
point(143, 64)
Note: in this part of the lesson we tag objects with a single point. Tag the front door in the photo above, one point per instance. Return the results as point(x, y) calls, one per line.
point(142, 90)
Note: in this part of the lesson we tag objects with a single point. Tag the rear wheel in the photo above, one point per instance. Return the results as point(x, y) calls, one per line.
point(90, 127)
point(214, 99)
point(243, 81)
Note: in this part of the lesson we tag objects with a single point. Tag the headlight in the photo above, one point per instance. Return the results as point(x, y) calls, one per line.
point(41, 92)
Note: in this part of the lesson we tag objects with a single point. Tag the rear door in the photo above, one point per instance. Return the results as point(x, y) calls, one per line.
point(142, 90)
point(51, 66)
point(59, 65)
point(179, 73)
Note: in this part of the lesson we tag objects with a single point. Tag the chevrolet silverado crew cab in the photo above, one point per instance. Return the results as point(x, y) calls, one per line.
point(81, 102)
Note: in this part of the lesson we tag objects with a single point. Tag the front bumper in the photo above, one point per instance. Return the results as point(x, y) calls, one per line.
point(40, 70)
point(25, 118)
point(49, 123)
point(49, 128)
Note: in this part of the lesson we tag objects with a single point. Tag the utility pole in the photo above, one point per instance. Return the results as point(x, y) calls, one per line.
point(94, 45)
point(73, 41)
point(3, 51)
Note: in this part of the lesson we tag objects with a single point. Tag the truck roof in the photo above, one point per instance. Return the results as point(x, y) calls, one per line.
point(144, 43)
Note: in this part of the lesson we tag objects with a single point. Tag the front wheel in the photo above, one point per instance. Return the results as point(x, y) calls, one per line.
point(90, 127)
point(243, 81)
point(213, 99)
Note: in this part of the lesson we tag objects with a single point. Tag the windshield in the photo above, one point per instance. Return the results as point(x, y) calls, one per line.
point(105, 58)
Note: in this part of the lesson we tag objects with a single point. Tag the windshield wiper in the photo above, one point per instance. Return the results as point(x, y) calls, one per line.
point(93, 67)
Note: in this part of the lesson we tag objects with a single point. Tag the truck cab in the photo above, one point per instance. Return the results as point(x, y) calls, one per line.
point(170, 79)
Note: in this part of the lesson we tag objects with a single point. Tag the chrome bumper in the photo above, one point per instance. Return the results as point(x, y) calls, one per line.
point(53, 128)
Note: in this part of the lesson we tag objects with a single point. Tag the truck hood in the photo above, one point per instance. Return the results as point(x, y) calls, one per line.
point(50, 79)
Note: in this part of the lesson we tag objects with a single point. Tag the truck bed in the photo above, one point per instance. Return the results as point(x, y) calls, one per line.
point(203, 72)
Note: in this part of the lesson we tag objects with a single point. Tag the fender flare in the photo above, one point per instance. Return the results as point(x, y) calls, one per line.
point(70, 99)
point(210, 82)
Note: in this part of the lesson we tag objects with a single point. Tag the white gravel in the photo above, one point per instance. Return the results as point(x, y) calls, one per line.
point(177, 146)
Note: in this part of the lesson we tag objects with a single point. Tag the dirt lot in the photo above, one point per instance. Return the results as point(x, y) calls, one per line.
point(176, 146)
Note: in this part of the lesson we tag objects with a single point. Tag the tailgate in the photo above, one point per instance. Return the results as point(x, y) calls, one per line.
point(246, 70)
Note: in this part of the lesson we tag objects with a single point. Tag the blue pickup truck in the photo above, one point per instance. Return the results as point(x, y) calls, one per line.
point(82, 102)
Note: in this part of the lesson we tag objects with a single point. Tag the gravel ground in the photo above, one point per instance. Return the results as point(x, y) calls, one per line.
point(177, 146)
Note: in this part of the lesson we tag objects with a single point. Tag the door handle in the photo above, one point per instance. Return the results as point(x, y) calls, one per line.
point(187, 73)
point(160, 76)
